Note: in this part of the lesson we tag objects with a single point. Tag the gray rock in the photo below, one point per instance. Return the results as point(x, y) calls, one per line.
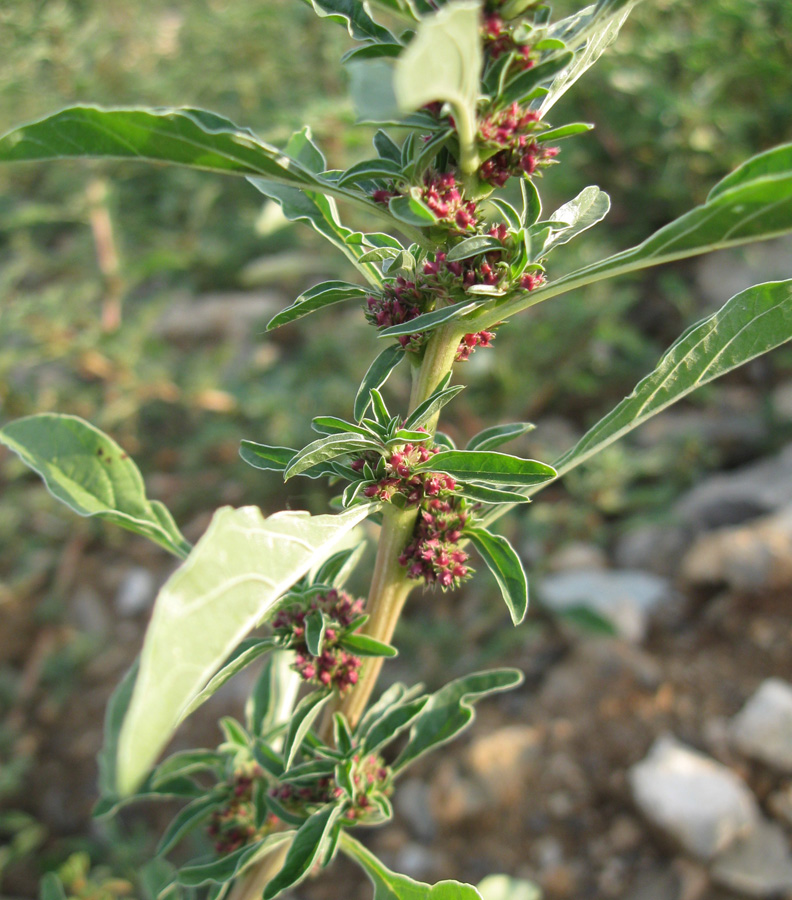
point(654, 548)
point(695, 800)
point(136, 592)
point(412, 802)
point(781, 401)
point(627, 598)
point(780, 804)
point(758, 865)
point(763, 727)
point(578, 555)
point(731, 498)
point(750, 558)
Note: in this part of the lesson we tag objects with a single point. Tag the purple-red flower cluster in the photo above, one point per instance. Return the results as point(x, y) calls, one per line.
point(513, 130)
point(434, 553)
point(401, 478)
point(369, 776)
point(334, 667)
point(400, 302)
point(443, 195)
point(499, 39)
point(234, 825)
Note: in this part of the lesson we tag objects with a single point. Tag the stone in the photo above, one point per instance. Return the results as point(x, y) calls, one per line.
point(763, 727)
point(503, 760)
point(136, 592)
point(578, 555)
point(759, 864)
point(627, 598)
point(693, 799)
point(653, 547)
point(780, 804)
point(730, 498)
point(746, 559)
point(413, 803)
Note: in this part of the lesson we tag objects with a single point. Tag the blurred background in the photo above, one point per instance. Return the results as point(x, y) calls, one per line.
point(137, 297)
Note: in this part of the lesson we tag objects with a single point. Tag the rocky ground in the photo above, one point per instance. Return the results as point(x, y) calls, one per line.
point(654, 763)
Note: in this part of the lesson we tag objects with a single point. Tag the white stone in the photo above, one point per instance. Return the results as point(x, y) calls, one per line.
point(697, 801)
point(758, 865)
point(763, 728)
point(136, 592)
point(625, 597)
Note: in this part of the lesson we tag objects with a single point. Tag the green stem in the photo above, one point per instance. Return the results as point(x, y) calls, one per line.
point(389, 584)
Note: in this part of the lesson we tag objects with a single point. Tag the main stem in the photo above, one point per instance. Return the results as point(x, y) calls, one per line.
point(389, 584)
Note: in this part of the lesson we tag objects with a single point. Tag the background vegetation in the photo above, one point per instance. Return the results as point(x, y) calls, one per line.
point(687, 93)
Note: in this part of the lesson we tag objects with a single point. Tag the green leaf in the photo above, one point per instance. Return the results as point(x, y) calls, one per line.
point(426, 411)
point(92, 475)
point(483, 493)
point(390, 886)
point(229, 584)
point(751, 323)
point(228, 867)
point(324, 295)
point(589, 207)
point(501, 887)
point(563, 131)
point(770, 164)
point(114, 716)
point(504, 563)
point(520, 88)
point(334, 425)
point(496, 468)
point(376, 376)
point(496, 435)
point(588, 33)
point(392, 724)
point(431, 320)
point(315, 626)
point(363, 645)
point(307, 847)
point(273, 695)
point(321, 213)
point(247, 652)
point(412, 211)
point(443, 62)
point(532, 204)
point(369, 169)
point(186, 762)
point(188, 137)
point(510, 215)
point(51, 888)
point(386, 147)
point(300, 724)
point(337, 568)
point(276, 459)
point(473, 246)
point(450, 710)
point(354, 15)
point(186, 819)
point(342, 735)
point(327, 448)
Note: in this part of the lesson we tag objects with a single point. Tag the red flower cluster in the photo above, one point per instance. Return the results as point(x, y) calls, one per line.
point(442, 194)
point(400, 302)
point(498, 39)
point(434, 554)
point(470, 342)
point(334, 667)
point(370, 776)
point(401, 478)
point(514, 130)
point(234, 825)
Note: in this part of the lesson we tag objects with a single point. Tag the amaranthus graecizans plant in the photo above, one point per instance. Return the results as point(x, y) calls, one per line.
point(473, 85)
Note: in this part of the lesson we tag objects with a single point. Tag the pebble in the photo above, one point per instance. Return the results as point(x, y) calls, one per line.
point(763, 728)
point(695, 800)
point(578, 555)
point(653, 547)
point(413, 803)
point(747, 559)
point(758, 864)
point(135, 594)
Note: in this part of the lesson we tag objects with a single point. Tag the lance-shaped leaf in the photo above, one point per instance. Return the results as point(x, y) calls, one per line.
point(428, 410)
point(228, 585)
point(473, 246)
point(450, 710)
point(273, 696)
point(92, 475)
point(390, 886)
point(483, 493)
point(521, 88)
point(328, 448)
point(318, 297)
point(377, 374)
point(489, 466)
point(588, 33)
point(504, 563)
point(751, 204)
point(276, 459)
point(751, 323)
point(186, 137)
point(321, 213)
point(306, 849)
point(431, 320)
point(443, 62)
point(589, 207)
point(355, 16)
point(300, 723)
point(189, 817)
point(495, 436)
point(214, 870)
